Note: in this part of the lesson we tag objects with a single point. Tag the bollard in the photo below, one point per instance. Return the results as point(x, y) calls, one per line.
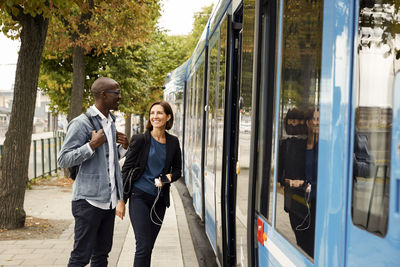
point(49, 149)
point(34, 159)
point(42, 149)
point(55, 152)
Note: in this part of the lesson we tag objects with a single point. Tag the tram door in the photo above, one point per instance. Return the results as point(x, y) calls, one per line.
point(240, 149)
point(286, 137)
point(242, 71)
point(374, 219)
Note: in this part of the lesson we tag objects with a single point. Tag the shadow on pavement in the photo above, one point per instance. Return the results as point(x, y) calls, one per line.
point(204, 252)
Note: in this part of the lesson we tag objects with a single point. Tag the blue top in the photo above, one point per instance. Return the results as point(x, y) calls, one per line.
point(155, 165)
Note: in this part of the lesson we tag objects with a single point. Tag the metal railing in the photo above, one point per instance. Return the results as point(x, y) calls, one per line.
point(43, 154)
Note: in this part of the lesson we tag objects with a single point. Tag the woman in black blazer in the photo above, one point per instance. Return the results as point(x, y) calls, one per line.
point(152, 162)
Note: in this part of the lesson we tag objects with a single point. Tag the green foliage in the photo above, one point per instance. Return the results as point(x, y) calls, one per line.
point(130, 67)
point(11, 9)
point(141, 70)
point(139, 67)
point(379, 23)
point(55, 80)
point(37, 180)
point(301, 51)
point(102, 25)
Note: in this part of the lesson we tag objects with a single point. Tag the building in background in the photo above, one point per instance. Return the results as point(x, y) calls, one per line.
point(43, 120)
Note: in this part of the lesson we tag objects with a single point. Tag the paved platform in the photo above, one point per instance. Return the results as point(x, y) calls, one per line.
point(174, 246)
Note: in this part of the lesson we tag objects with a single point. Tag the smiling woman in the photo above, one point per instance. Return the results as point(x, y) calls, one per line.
point(157, 156)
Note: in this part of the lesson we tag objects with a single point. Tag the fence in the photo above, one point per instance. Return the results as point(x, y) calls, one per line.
point(43, 154)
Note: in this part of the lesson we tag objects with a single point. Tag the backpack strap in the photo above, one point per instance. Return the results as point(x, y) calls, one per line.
point(91, 121)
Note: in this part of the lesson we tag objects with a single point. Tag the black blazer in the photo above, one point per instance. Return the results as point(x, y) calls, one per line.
point(137, 155)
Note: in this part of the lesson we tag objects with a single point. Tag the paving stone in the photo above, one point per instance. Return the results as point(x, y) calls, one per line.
point(19, 251)
point(10, 262)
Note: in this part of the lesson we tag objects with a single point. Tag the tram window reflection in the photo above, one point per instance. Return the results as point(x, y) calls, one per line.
point(297, 159)
point(379, 61)
point(298, 156)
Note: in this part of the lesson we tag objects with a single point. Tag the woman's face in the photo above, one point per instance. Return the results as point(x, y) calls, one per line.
point(313, 125)
point(158, 117)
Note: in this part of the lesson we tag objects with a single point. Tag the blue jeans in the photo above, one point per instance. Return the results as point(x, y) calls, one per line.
point(145, 230)
point(94, 229)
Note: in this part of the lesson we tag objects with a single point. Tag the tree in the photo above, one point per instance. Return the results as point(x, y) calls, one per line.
point(98, 28)
point(27, 20)
point(139, 67)
point(301, 51)
point(141, 70)
point(55, 80)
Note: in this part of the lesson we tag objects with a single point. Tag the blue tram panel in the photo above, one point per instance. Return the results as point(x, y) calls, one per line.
point(313, 139)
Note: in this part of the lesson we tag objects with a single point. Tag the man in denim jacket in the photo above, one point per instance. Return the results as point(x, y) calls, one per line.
point(98, 184)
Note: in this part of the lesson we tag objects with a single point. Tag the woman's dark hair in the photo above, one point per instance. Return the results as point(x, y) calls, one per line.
point(167, 109)
point(309, 114)
point(294, 114)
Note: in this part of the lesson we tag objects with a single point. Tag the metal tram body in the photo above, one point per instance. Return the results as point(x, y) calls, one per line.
point(289, 123)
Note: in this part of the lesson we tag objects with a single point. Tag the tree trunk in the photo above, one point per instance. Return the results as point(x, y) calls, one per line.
point(141, 123)
point(17, 144)
point(78, 82)
point(128, 125)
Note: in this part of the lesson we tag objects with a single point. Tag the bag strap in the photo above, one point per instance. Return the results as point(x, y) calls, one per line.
point(91, 121)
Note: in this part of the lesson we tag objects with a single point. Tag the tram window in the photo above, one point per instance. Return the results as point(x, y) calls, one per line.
point(378, 60)
point(264, 188)
point(211, 103)
point(299, 124)
point(219, 117)
point(244, 70)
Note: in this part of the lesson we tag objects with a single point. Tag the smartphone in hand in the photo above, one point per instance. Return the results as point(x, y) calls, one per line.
point(164, 179)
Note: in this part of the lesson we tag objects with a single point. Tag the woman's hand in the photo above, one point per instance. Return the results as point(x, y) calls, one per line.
point(159, 183)
point(120, 209)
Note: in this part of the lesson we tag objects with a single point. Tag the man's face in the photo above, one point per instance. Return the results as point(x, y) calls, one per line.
point(112, 97)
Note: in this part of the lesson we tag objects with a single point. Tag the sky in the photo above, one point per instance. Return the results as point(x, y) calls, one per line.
point(177, 19)
point(177, 15)
point(8, 60)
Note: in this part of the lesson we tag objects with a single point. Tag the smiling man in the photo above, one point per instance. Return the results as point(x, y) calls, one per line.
point(98, 184)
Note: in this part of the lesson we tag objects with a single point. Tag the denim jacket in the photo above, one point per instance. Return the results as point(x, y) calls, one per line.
point(92, 181)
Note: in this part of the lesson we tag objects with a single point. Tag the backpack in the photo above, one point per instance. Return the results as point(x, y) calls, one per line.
point(73, 171)
point(364, 161)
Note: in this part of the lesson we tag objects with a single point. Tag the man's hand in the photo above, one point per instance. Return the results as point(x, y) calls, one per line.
point(120, 209)
point(98, 138)
point(121, 139)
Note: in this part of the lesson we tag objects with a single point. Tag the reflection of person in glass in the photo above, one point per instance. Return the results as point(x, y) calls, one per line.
point(291, 152)
point(297, 173)
point(292, 169)
point(311, 157)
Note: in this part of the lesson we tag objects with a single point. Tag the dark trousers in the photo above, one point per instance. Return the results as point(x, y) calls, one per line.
point(94, 230)
point(145, 230)
point(306, 234)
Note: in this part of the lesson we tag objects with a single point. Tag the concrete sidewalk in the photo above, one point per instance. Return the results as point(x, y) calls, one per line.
point(173, 247)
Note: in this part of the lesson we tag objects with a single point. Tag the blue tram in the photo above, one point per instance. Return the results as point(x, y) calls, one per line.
point(289, 119)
